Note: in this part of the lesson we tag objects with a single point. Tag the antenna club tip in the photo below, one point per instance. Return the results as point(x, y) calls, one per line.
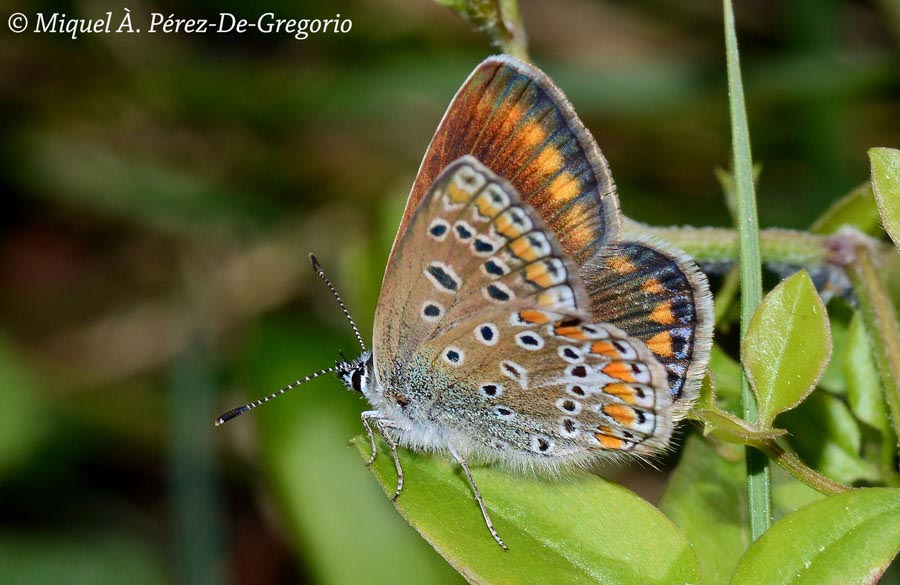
point(234, 412)
point(314, 262)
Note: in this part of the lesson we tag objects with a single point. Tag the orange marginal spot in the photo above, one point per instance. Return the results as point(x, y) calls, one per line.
point(619, 371)
point(537, 273)
point(609, 442)
point(513, 115)
point(485, 206)
point(620, 264)
point(563, 189)
point(661, 344)
point(570, 331)
point(623, 391)
point(546, 299)
point(604, 348)
point(663, 314)
point(532, 316)
point(506, 228)
point(653, 286)
point(622, 414)
point(455, 194)
point(550, 160)
point(530, 135)
point(523, 250)
point(575, 222)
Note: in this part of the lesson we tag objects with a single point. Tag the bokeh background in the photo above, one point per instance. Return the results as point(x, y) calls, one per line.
point(160, 194)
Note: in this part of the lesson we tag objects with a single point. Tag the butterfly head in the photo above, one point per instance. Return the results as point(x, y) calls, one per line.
point(356, 374)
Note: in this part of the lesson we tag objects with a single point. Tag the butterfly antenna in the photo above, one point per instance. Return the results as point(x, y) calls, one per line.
point(236, 412)
point(321, 274)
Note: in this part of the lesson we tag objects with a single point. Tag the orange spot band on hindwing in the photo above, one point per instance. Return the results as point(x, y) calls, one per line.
point(621, 414)
point(623, 391)
point(663, 314)
point(604, 348)
point(620, 264)
point(619, 371)
point(532, 316)
point(661, 344)
point(609, 442)
point(653, 286)
point(570, 331)
point(536, 273)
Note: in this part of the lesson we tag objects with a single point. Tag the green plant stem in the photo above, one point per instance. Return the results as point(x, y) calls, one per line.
point(729, 428)
point(881, 326)
point(758, 476)
point(790, 462)
point(510, 30)
point(708, 244)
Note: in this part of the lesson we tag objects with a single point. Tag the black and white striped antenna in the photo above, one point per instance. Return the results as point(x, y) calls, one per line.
point(236, 412)
point(321, 274)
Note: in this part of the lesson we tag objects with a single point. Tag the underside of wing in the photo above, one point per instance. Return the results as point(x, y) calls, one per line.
point(547, 391)
point(471, 244)
point(513, 119)
point(484, 318)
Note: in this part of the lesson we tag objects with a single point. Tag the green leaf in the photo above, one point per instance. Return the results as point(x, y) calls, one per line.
point(327, 500)
point(826, 435)
point(886, 186)
point(575, 529)
point(848, 538)
point(787, 346)
point(706, 498)
point(863, 385)
point(833, 377)
point(857, 208)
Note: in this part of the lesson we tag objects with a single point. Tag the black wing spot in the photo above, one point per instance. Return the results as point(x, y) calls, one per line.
point(497, 293)
point(441, 276)
point(463, 232)
point(483, 246)
point(493, 268)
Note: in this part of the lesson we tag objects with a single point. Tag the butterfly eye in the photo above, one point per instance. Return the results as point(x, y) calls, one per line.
point(356, 380)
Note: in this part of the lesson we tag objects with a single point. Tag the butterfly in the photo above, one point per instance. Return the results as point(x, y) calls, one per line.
point(514, 325)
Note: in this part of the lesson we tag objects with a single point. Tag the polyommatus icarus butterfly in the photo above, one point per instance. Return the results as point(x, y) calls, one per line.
point(513, 325)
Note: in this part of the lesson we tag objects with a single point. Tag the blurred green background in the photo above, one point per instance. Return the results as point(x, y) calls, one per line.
point(160, 194)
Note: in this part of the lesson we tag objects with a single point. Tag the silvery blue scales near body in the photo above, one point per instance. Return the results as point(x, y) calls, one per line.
point(513, 325)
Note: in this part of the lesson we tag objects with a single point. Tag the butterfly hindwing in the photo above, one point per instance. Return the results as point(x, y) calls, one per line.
point(547, 386)
point(657, 294)
point(513, 119)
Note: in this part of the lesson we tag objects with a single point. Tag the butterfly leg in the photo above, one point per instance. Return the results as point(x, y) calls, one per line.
point(383, 425)
point(366, 417)
point(487, 519)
